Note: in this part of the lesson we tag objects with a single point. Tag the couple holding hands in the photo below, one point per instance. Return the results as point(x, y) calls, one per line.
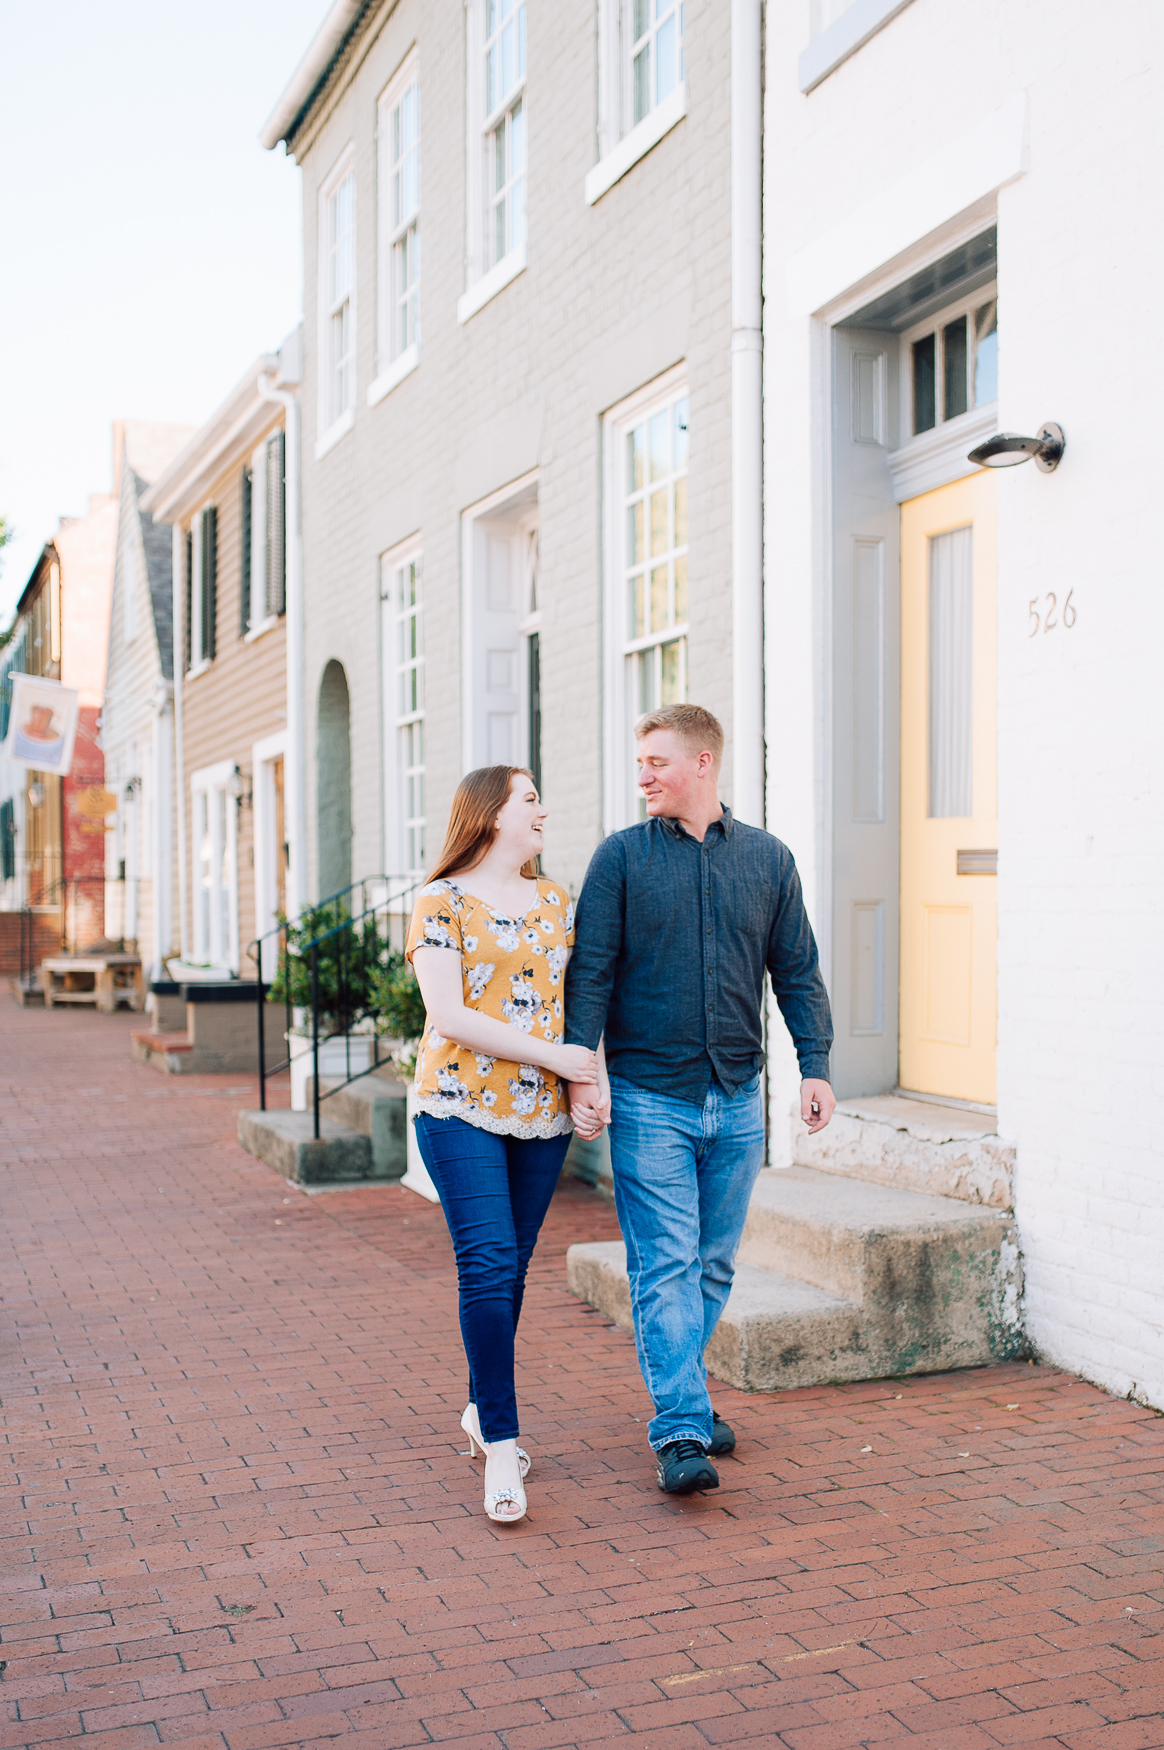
point(645, 1015)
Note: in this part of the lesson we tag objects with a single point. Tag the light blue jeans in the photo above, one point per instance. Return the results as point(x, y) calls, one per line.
point(683, 1175)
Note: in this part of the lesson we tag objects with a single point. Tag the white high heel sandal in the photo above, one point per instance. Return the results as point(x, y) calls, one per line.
point(471, 1423)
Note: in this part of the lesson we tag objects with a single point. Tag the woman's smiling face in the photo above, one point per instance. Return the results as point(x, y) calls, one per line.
point(519, 824)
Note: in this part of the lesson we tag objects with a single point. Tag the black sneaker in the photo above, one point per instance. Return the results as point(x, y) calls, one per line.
point(722, 1438)
point(684, 1466)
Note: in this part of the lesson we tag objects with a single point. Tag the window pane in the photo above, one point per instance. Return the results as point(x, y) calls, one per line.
point(681, 512)
point(954, 363)
point(635, 546)
point(642, 82)
point(659, 541)
point(642, 13)
point(659, 614)
point(636, 456)
point(660, 445)
point(636, 600)
point(673, 689)
point(517, 140)
point(680, 422)
point(924, 398)
point(521, 42)
point(492, 79)
point(951, 603)
point(648, 698)
point(508, 57)
point(665, 71)
point(986, 354)
point(680, 590)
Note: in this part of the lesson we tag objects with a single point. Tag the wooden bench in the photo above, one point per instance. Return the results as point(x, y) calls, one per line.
point(105, 980)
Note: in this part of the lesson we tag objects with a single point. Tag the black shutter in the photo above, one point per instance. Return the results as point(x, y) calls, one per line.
point(244, 582)
point(188, 644)
point(7, 839)
point(277, 524)
point(209, 581)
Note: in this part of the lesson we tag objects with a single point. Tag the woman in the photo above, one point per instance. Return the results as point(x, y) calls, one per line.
point(489, 942)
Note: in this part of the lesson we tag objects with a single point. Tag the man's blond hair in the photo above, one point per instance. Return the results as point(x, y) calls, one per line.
point(695, 726)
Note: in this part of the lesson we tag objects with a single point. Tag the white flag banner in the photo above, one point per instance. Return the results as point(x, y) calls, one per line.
point(42, 724)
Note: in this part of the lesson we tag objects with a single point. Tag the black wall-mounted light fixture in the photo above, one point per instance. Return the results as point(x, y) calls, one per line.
point(1008, 449)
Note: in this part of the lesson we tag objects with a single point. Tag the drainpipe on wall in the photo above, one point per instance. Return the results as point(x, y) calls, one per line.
point(747, 417)
point(178, 562)
point(296, 766)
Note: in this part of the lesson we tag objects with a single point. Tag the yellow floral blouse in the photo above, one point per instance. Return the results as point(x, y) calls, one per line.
point(514, 970)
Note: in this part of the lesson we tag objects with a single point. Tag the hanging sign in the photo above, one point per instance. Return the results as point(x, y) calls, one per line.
point(42, 724)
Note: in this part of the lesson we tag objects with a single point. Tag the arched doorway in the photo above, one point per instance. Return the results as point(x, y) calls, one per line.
point(333, 750)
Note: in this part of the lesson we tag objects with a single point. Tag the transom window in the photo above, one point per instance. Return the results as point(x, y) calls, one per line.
point(504, 126)
point(653, 33)
point(404, 602)
point(952, 362)
point(655, 557)
point(340, 257)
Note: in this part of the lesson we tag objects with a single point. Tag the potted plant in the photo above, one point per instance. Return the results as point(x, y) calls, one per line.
point(349, 955)
point(401, 1016)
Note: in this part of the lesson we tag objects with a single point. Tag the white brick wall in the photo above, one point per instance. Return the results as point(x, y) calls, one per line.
point(613, 295)
point(1081, 943)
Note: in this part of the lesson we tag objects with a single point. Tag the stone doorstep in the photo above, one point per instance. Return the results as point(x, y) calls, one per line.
point(172, 1053)
point(284, 1141)
point(913, 1145)
point(843, 1283)
point(375, 1106)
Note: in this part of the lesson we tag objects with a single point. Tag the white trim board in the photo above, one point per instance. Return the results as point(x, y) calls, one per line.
point(957, 176)
point(635, 145)
point(850, 32)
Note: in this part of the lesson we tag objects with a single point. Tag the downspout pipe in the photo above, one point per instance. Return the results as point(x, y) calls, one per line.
point(747, 415)
point(296, 766)
point(178, 563)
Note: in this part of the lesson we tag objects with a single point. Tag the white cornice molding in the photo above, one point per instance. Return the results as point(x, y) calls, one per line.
point(297, 92)
point(850, 32)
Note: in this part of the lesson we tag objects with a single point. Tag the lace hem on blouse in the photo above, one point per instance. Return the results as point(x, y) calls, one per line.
point(526, 1129)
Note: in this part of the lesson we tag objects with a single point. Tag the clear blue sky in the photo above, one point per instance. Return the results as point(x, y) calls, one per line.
point(149, 247)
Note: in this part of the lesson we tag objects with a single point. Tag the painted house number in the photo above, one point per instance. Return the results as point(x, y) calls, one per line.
point(1053, 615)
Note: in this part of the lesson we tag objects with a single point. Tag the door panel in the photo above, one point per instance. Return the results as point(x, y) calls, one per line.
point(949, 790)
point(865, 642)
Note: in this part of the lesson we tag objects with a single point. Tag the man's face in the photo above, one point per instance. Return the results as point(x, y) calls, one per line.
point(671, 777)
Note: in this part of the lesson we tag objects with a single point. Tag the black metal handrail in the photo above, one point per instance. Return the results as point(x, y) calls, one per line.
point(363, 943)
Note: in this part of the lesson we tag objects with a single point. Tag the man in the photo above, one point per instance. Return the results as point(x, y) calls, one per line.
point(678, 919)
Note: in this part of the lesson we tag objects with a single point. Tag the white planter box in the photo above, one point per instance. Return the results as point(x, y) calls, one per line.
point(416, 1176)
point(334, 1057)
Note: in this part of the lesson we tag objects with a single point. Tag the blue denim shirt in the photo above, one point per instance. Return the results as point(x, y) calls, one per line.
point(673, 938)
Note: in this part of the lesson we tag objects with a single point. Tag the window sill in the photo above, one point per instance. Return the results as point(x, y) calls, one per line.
point(491, 283)
point(334, 433)
point(267, 625)
point(938, 457)
point(199, 668)
point(636, 145)
point(851, 31)
point(396, 373)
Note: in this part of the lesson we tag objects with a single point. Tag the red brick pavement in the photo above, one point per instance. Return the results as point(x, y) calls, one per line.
point(236, 1512)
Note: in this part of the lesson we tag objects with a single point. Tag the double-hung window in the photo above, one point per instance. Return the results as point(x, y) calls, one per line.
point(398, 336)
point(401, 592)
point(647, 571)
point(338, 337)
point(951, 363)
point(642, 83)
point(497, 149)
point(201, 588)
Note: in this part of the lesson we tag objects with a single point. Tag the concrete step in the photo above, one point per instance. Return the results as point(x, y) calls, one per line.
point(375, 1106)
point(843, 1279)
point(285, 1141)
point(915, 1145)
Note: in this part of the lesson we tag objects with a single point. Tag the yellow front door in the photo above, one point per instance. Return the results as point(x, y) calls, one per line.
point(949, 790)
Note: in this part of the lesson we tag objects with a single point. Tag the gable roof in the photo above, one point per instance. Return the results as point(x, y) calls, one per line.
point(311, 76)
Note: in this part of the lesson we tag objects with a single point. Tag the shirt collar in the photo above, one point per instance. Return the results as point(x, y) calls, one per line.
point(723, 825)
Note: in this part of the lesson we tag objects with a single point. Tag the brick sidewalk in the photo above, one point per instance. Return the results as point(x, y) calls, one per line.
point(236, 1511)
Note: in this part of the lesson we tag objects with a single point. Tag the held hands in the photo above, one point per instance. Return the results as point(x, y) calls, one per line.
point(589, 1108)
point(816, 1105)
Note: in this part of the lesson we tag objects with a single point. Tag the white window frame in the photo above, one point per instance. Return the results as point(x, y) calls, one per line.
point(206, 785)
point(394, 362)
point(260, 620)
point(401, 722)
point(486, 276)
point(621, 141)
point(620, 711)
point(264, 755)
point(928, 459)
point(335, 421)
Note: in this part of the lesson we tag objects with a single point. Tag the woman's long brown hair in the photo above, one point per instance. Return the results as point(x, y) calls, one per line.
point(480, 797)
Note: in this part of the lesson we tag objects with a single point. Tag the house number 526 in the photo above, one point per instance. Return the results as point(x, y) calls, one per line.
point(1053, 615)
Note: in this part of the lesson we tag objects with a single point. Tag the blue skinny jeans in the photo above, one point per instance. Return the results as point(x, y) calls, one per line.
point(495, 1191)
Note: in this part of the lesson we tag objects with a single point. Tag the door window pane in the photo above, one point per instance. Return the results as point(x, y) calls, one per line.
point(986, 354)
point(924, 385)
point(954, 361)
point(951, 616)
